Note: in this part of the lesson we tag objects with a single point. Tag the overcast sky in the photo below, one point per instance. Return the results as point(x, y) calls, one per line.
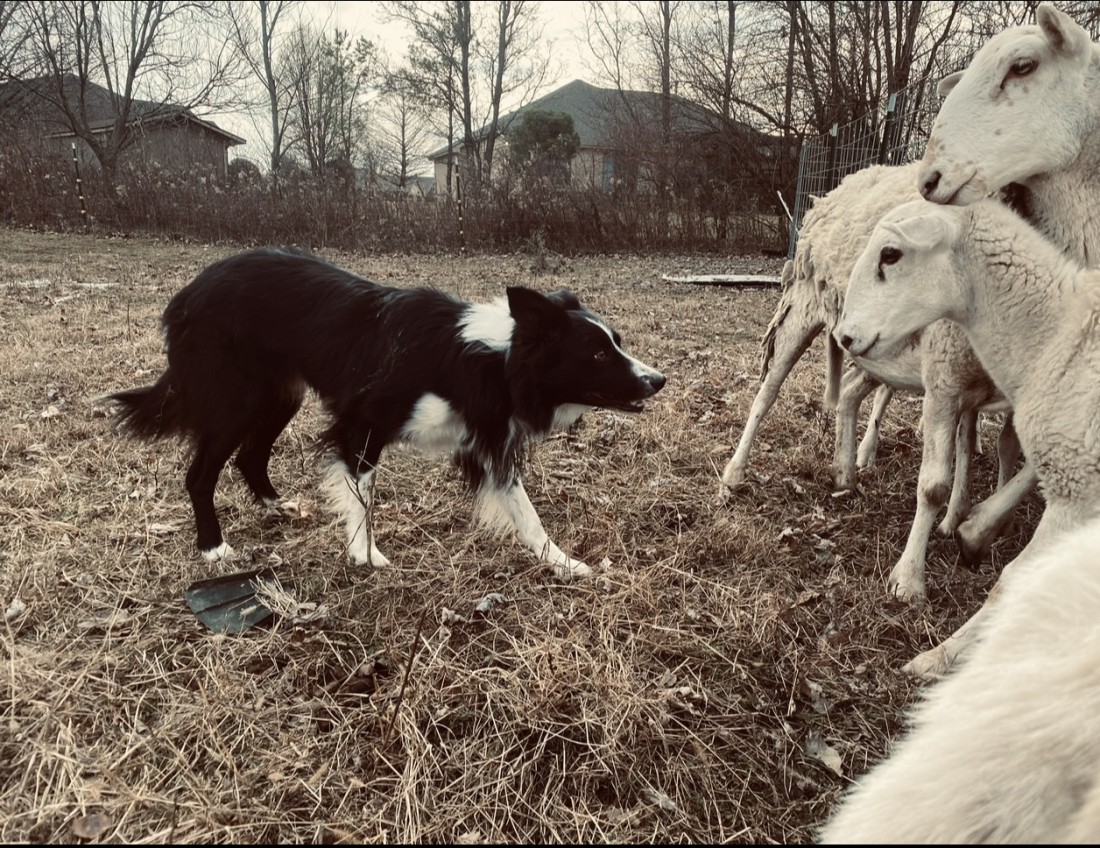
point(564, 28)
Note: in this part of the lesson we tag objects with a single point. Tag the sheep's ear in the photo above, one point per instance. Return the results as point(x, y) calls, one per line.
point(1063, 32)
point(948, 83)
point(922, 231)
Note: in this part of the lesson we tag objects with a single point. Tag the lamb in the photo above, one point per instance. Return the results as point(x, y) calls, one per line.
point(834, 233)
point(1026, 111)
point(1056, 176)
point(1007, 748)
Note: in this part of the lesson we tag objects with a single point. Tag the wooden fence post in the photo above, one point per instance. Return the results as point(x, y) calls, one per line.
point(80, 190)
point(461, 222)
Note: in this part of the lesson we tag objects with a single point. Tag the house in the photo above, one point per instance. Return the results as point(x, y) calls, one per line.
point(418, 187)
point(619, 132)
point(164, 134)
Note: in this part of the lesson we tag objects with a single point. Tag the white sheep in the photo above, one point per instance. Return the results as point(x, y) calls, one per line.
point(1006, 748)
point(1060, 185)
point(834, 233)
point(1027, 111)
point(831, 237)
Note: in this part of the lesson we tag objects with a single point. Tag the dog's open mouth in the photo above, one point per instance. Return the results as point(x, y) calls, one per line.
point(618, 404)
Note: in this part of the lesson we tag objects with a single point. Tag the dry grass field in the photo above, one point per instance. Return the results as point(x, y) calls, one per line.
point(721, 679)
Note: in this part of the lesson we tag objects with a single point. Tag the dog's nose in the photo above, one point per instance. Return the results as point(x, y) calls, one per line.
point(657, 381)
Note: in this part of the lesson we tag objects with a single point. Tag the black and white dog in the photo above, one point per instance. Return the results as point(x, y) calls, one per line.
point(478, 380)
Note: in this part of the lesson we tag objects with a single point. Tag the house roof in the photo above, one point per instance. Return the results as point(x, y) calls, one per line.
point(598, 113)
point(38, 97)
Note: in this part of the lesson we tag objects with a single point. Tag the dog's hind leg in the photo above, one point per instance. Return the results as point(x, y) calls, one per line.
point(507, 507)
point(255, 452)
point(212, 452)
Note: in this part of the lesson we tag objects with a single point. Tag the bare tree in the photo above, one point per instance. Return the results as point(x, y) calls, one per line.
point(518, 65)
point(400, 126)
point(151, 57)
point(476, 58)
point(257, 29)
point(15, 58)
point(329, 79)
point(433, 63)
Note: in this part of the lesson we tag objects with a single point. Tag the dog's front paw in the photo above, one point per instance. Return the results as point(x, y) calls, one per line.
point(219, 553)
point(362, 555)
point(572, 569)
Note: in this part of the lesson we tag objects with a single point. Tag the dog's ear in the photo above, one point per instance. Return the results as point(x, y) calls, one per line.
point(534, 310)
point(565, 299)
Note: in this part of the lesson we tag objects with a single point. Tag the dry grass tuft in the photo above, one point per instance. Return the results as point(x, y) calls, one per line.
point(705, 686)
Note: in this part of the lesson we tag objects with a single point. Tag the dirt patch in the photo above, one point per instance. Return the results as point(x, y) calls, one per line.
point(706, 685)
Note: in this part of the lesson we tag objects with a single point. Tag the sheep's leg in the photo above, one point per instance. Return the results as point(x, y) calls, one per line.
point(992, 517)
point(1008, 452)
point(868, 448)
point(959, 505)
point(938, 423)
point(995, 516)
point(834, 366)
point(796, 324)
point(856, 386)
point(932, 663)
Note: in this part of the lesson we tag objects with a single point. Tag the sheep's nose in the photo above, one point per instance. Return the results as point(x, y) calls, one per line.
point(931, 184)
point(845, 341)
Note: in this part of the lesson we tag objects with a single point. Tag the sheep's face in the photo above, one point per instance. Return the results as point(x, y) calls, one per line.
point(902, 282)
point(1020, 110)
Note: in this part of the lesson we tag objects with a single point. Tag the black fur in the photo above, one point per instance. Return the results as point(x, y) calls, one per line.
point(250, 333)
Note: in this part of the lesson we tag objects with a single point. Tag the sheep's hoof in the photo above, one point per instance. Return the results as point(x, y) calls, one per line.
point(908, 590)
point(931, 664)
point(914, 595)
point(733, 477)
point(726, 491)
point(952, 522)
point(972, 552)
point(844, 480)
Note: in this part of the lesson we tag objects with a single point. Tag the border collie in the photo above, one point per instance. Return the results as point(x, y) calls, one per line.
point(480, 381)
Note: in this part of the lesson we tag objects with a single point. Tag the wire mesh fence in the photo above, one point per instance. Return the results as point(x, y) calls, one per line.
point(893, 136)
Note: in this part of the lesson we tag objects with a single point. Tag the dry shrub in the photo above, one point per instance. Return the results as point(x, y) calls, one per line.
point(40, 191)
point(704, 686)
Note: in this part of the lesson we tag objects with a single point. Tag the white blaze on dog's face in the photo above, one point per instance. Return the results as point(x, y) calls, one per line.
point(903, 281)
point(581, 361)
point(1015, 112)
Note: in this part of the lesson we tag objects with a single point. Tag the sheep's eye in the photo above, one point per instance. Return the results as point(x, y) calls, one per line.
point(887, 256)
point(1022, 67)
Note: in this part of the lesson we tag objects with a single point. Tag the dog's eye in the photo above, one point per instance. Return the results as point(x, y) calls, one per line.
point(600, 355)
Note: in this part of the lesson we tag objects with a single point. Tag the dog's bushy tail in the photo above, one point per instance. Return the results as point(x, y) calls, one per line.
point(149, 412)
